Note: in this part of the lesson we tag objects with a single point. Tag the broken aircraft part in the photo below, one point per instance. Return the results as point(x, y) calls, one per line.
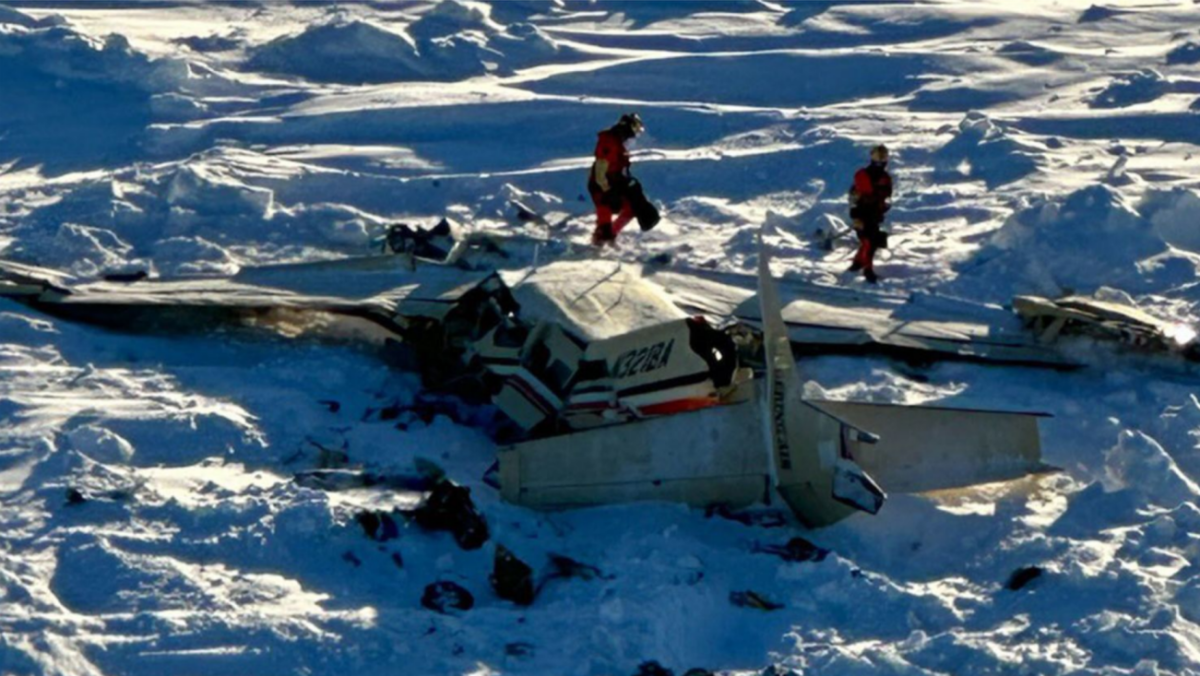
point(1106, 320)
point(597, 363)
point(769, 439)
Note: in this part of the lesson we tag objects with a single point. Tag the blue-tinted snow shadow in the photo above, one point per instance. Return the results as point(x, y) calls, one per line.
point(962, 99)
point(644, 12)
point(897, 22)
point(67, 125)
point(893, 24)
point(766, 80)
point(1170, 127)
point(733, 178)
point(490, 137)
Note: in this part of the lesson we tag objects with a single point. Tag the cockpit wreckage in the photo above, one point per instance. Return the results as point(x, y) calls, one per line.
point(625, 382)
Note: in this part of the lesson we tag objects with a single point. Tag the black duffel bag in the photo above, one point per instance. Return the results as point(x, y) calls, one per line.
point(643, 209)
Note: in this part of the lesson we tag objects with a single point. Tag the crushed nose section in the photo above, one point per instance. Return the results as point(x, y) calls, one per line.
point(593, 345)
point(531, 369)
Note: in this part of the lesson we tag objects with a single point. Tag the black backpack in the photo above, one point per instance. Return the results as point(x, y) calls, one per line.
point(643, 209)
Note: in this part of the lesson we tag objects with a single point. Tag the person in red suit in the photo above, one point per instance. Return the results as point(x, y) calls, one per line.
point(870, 199)
point(609, 179)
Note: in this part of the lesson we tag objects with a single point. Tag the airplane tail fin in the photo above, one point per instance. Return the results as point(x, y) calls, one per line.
point(811, 464)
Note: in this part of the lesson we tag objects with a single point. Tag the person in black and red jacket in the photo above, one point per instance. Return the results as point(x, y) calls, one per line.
point(870, 199)
point(609, 180)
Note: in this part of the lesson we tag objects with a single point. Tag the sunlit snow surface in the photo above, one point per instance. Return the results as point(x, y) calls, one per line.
point(1038, 147)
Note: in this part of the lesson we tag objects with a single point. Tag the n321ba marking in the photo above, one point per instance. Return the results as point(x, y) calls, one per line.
point(643, 360)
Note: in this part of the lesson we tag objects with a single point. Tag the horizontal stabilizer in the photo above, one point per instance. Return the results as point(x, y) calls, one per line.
point(923, 448)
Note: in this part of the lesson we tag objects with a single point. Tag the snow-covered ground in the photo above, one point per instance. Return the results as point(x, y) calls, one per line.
point(1038, 147)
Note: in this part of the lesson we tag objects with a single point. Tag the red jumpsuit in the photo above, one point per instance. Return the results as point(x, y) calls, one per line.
point(611, 148)
point(873, 186)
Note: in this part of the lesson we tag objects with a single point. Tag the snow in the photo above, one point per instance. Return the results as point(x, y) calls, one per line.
point(453, 40)
point(1188, 53)
point(1140, 87)
point(1138, 463)
point(353, 52)
point(1174, 214)
point(1092, 237)
point(149, 520)
point(982, 150)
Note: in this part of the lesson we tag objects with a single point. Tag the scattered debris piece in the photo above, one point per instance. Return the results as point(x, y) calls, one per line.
point(797, 549)
point(763, 518)
point(442, 597)
point(519, 649)
point(424, 409)
point(126, 277)
point(1022, 577)
point(398, 559)
point(512, 578)
point(752, 599)
point(379, 526)
point(1106, 318)
point(331, 458)
point(350, 558)
point(664, 258)
point(330, 404)
point(566, 567)
point(77, 497)
point(433, 244)
point(653, 668)
point(449, 507)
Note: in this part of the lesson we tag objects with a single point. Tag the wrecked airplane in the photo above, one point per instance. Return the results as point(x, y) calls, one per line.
point(764, 438)
point(617, 386)
point(1105, 320)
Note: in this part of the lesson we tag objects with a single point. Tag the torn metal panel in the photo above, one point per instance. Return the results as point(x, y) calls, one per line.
point(827, 319)
point(32, 274)
point(700, 458)
point(378, 284)
point(1106, 320)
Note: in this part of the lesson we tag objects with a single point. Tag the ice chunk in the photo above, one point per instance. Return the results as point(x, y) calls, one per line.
point(1137, 462)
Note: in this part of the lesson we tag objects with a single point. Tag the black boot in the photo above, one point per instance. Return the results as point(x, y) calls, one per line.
point(870, 276)
point(603, 235)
